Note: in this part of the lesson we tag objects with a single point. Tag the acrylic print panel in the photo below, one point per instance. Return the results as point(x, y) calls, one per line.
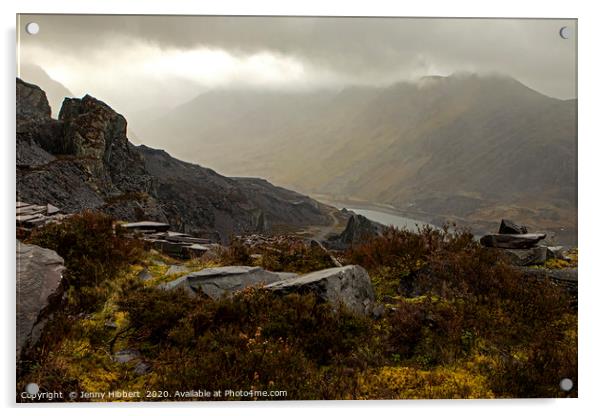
point(295, 208)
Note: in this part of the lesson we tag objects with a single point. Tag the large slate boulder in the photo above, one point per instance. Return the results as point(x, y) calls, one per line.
point(508, 227)
point(511, 240)
point(39, 274)
point(216, 282)
point(349, 285)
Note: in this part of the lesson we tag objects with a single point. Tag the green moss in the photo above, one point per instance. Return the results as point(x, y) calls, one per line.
point(411, 383)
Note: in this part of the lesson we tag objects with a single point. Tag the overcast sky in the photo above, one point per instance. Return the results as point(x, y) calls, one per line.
point(140, 62)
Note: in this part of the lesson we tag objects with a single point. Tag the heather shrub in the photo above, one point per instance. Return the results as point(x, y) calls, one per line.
point(94, 254)
point(252, 340)
point(152, 313)
point(459, 323)
point(428, 331)
point(466, 301)
point(237, 253)
point(279, 256)
point(225, 359)
point(395, 257)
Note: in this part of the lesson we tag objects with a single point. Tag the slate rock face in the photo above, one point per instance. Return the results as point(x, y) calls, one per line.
point(219, 281)
point(349, 285)
point(37, 133)
point(96, 132)
point(35, 106)
point(511, 240)
point(39, 274)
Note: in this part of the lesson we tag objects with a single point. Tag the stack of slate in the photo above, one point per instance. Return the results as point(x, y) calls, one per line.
point(521, 247)
point(29, 216)
point(172, 243)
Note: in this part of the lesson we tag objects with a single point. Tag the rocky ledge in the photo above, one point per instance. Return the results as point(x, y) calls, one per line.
point(520, 247)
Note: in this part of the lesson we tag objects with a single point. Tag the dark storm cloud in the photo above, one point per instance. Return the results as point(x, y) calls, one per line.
point(365, 50)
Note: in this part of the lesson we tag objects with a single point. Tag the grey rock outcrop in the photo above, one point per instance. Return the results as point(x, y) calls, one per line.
point(359, 229)
point(558, 252)
point(31, 215)
point(219, 281)
point(349, 285)
point(39, 274)
point(176, 269)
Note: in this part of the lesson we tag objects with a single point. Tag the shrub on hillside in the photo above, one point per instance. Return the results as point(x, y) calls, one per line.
point(254, 339)
point(279, 256)
point(93, 252)
point(472, 302)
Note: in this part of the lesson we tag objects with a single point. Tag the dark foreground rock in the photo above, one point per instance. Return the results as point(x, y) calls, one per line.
point(516, 241)
point(39, 274)
point(219, 281)
point(349, 285)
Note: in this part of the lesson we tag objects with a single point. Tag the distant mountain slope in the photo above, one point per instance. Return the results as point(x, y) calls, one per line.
point(466, 147)
point(55, 91)
point(84, 160)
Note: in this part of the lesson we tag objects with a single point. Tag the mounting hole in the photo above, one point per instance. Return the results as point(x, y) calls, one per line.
point(32, 388)
point(565, 32)
point(566, 384)
point(32, 28)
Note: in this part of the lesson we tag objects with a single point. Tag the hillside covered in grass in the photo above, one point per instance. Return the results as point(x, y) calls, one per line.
point(457, 321)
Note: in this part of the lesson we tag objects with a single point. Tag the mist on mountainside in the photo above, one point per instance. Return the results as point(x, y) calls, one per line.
point(465, 148)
